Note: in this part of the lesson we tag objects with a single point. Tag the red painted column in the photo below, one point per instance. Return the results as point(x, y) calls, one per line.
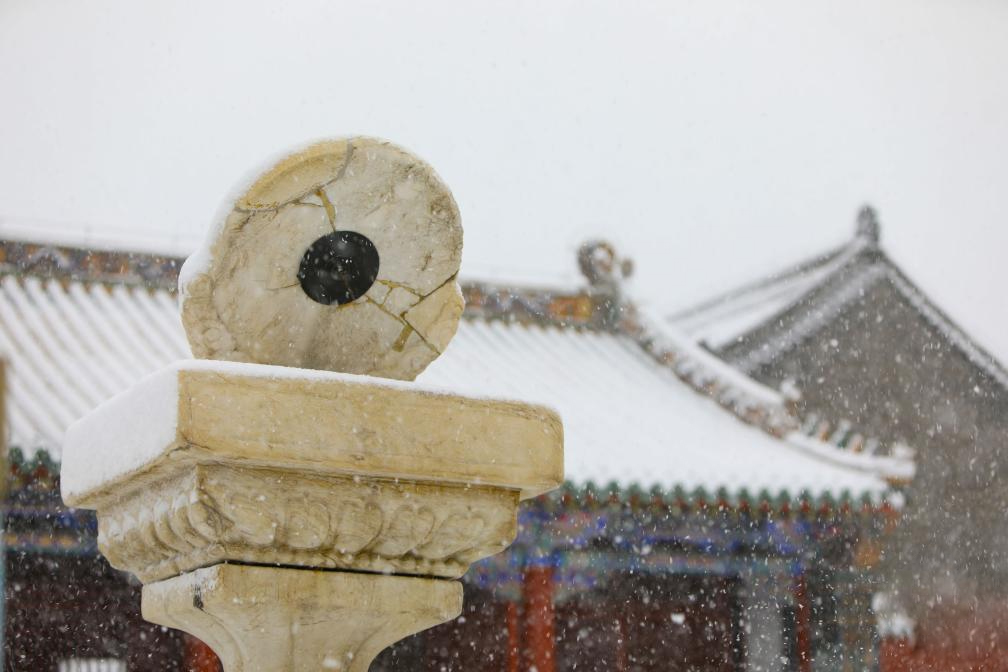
point(803, 624)
point(540, 643)
point(199, 657)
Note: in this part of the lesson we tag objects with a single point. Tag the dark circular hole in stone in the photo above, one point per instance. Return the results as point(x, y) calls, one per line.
point(338, 268)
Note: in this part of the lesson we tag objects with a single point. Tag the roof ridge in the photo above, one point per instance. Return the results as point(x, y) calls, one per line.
point(756, 404)
point(64, 262)
point(759, 284)
point(663, 343)
point(55, 234)
point(850, 285)
point(881, 266)
point(941, 321)
point(866, 236)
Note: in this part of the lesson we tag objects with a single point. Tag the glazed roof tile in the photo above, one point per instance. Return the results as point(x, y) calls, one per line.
point(640, 406)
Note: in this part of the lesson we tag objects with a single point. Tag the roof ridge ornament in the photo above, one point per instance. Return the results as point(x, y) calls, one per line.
point(601, 265)
point(605, 271)
point(868, 227)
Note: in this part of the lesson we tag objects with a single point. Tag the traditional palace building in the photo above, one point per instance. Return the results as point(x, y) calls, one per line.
point(864, 345)
point(716, 516)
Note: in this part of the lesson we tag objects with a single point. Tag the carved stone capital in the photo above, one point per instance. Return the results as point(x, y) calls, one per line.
point(272, 466)
point(209, 513)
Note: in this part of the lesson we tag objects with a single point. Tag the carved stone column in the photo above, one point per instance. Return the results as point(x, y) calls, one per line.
point(265, 619)
point(301, 520)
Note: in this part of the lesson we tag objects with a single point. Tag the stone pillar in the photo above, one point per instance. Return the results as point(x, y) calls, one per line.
point(227, 486)
point(269, 619)
point(540, 636)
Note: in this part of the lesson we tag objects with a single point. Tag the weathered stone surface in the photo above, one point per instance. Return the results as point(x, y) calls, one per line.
point(242, 299)
point(269, 619)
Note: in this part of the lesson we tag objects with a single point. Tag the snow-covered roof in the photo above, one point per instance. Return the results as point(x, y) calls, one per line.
point(70, 345)
point(630, 421)
point(718, 321)
point(752, 325)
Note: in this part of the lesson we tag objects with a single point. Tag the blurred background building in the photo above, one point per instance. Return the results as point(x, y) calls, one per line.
point(740, 474)
point(861, 342)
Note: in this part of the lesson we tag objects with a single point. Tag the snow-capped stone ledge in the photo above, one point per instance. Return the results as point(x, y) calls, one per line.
point(315, 421)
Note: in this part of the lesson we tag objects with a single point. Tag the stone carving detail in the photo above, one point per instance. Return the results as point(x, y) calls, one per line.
point(218, 512)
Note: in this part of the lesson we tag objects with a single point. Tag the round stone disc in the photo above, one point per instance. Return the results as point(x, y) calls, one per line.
point(342, 256)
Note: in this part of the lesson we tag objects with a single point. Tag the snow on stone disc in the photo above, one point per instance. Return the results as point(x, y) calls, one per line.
point(342, 256)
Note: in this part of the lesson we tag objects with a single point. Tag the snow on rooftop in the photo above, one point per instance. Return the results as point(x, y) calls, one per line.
point(627, 419)
point(70, 346)
point(836, 279)
point(670, 338)
point(719, 321)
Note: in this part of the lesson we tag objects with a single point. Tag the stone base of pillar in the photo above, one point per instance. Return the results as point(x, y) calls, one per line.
point(275, 619)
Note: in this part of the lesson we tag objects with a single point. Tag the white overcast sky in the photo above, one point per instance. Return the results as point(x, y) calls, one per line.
point(713, 141)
